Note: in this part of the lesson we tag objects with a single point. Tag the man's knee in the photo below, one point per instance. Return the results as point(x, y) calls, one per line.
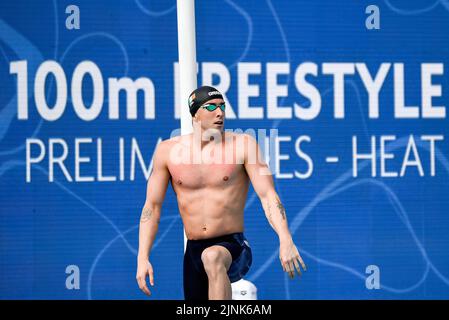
point(216, 259)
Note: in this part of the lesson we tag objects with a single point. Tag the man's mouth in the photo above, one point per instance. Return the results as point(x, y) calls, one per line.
point(218, 122)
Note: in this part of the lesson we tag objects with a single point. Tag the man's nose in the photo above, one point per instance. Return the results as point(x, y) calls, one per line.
point(219, 113)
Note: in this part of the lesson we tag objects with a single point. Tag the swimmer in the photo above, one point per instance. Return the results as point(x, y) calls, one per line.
point(211, 197)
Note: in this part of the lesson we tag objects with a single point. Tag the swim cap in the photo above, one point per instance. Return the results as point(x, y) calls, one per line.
point(201, 95)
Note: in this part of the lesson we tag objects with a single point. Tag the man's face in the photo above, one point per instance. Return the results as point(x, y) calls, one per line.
point(211, 119)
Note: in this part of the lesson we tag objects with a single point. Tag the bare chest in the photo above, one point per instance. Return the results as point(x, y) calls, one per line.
point(195, 176)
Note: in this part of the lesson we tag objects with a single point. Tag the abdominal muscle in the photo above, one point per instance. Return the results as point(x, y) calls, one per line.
point(212, 212)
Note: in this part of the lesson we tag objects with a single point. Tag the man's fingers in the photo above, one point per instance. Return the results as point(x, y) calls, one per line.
point(297, 266)
point(288, 267)
point(151, 277)
point(292, 270)
point(282, 264)
point(143, 285)
point(145, 289)
point(302, 263)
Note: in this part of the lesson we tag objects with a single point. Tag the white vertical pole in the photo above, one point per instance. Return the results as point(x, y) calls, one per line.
point(187, 59)
point(187, 62)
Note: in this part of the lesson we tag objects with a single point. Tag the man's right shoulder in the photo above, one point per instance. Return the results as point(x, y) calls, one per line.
point(166, 145)
point(174, 140)
point(163, 146)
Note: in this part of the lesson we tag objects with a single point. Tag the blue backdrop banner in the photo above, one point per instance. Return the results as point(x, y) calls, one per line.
point(348, 100)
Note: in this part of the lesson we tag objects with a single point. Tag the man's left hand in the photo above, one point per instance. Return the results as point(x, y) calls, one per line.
point(290, 258)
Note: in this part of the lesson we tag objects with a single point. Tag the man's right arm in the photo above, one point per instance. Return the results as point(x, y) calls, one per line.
point(151, 212)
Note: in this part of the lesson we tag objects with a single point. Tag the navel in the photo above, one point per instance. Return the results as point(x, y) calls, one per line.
point(179, 182)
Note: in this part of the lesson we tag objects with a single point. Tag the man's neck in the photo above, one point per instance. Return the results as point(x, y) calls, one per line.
point(208, 137)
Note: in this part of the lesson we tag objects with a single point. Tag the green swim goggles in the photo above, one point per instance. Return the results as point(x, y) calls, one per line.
point(212, 107)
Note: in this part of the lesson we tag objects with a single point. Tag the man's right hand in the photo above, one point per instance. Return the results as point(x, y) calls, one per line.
point(144, 269)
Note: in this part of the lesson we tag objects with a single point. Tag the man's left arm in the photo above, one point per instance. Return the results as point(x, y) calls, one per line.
point(262, 181)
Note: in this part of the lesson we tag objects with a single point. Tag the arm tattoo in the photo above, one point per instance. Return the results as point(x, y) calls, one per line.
point(281, 208)
point(146, 215)
point(268, 211)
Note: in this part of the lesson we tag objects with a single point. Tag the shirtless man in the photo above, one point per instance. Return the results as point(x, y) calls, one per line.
point(210, 171)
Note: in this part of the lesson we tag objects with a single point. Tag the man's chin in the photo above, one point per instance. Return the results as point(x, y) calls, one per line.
point(214, 130)
point(216, 126)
